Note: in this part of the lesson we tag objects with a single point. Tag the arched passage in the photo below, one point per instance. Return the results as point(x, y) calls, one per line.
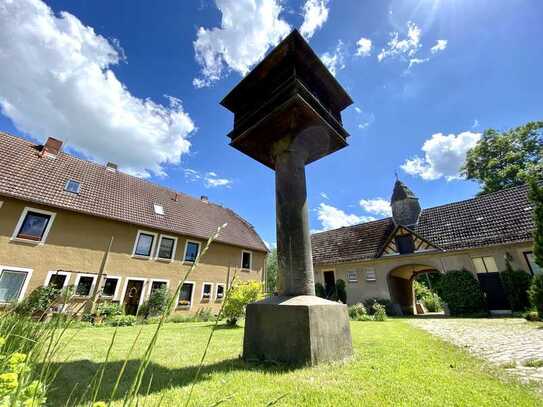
point(400, 285)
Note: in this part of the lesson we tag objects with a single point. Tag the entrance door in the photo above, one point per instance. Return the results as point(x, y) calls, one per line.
point(491, 285)
point(329, 283)
point(132, 297)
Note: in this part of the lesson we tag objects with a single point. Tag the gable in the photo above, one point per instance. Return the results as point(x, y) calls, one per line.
point(403, 240)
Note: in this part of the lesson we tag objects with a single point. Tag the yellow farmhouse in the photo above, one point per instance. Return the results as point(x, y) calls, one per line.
point(58, 214)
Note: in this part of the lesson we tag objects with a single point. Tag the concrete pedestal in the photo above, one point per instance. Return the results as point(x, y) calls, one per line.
point(297, 330)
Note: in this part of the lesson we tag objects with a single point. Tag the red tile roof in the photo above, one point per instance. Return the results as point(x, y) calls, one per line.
point(497, 218)
point(114, 195)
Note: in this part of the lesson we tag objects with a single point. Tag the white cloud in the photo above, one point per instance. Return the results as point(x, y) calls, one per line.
point(363, 47)
point(248, 29)
point(333, 218)
point(440, 46)
point(365, 119)
point(376, 206)
point(335, 61)
point(315, 15)
point(209, 179)
point(56, 81)
point(405, 47)
point(443, 156)
point(417, 61)
point(324, 195)
point(475, 124)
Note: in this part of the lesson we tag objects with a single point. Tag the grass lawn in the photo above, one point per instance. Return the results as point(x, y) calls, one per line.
point(394, 364)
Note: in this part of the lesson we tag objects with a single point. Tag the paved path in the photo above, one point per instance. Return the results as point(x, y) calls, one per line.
point(505, 342)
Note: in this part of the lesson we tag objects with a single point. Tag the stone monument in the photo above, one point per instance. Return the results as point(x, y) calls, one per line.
point(287, 114)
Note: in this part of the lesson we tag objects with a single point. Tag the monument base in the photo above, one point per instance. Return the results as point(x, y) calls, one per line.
point(297, 330)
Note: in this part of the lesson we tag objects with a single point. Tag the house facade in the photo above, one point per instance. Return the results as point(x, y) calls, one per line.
point(380, 259)
point(59, 213)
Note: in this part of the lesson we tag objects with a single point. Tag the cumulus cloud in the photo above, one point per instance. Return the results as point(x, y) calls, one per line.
point(376, 206)
point(363, 47)
point(443, 156)
point(315, 15)
point(248, 29)
point(331, 217)
point(404, 47)
point(56, 81)
point(335, 61)
point(208, 179)
point(440, 46)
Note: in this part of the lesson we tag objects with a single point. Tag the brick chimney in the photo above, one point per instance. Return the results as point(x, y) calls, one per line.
point(51, 147)
point(111, 167)
point(204, 198)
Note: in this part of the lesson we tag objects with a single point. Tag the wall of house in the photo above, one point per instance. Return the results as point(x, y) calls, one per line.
point(363, 289)
point(77, 243)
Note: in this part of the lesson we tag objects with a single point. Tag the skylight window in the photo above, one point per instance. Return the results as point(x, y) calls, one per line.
point(72, 186)
point(159, 210)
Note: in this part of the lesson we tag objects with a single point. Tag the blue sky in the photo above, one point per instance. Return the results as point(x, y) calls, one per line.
point(139, 83)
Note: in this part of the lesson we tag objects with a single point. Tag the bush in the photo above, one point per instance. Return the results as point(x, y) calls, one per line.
point(341, 292)
point(156, 304)
point(357, 311)
point(430, 299)
point(108, 309)
point(319, 290)
point(204, 315)
point(462, 293)
point(122, 320)
point(536, 294)
point(531, 316)
point(39, 301)
point(516, 284)
point(368, 303)
point(241, 294)
point(379, 312)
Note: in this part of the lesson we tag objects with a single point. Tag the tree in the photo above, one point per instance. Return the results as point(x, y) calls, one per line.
point(241, 294)
point(506, 159)
point(536, 196)
point(271, 272)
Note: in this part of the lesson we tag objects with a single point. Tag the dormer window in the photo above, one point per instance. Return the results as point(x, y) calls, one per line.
point(159, 209)
point(72, 186)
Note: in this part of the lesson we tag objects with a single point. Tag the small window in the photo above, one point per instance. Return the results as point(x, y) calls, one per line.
point(166, 248)
point(12, 283)
point(405, 244)
point(110, 287)
point(185, 295)
point(220, 292)
point(246, 259)
point(485, 264)
point(84, 286)
point(58, 280)
point(34, 226)
point(191, 251)
point(144, 244)
point(352, 276)
point(370, 275)
point(534, 267)
point(159, 209)
point(158, 285)
point(72, 186)
point(207, 289)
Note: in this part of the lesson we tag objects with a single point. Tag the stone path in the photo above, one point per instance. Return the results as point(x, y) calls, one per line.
point(506, 342)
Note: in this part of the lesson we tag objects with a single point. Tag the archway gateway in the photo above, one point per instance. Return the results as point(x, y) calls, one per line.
point(400, 284)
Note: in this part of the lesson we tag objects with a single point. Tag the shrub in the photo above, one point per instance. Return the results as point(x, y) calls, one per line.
point(241, 294)
point(319, 290)
point(536, 294)
point(204, 315)
point(368, 303)
point(108, 309)
point(462, 293)
point(357, 311)
point(341, 292)
point(430, 299)
point(122, 320)
point(39, 301)
point(516, 284)
point(531, 316)
point(379, 312)
point(156, 304)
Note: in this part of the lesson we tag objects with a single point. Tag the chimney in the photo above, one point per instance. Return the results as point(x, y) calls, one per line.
point(111, 167)
point(204, 198)
point(405, 205)
point(51, 147)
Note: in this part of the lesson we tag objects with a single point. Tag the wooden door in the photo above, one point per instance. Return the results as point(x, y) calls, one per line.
point(134, 290)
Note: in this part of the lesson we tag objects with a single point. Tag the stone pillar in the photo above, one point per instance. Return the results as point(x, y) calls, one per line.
point(295, 276)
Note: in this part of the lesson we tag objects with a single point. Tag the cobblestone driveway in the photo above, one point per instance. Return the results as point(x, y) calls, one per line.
point(509, 341)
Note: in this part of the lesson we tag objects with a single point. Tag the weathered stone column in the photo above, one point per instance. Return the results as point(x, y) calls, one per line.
point(295, 275)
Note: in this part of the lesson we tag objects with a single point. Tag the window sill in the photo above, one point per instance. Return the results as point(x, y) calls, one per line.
point(183, 306)
point(188, 262)
point(245, 270)
point(160, 259)
point(140, 257)
point(27, 241)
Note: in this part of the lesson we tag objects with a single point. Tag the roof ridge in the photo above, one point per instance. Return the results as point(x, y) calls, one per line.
point(352, 226)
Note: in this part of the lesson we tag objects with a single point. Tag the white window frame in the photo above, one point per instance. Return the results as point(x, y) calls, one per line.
point(368, 272)
point(26, 282)
point(78, 277)
point(20, 224)
point(158, 209)
point(143, 289)
point(78, 186)
point(177, 305)
point(186, 247)
point(250, 260)
point(482, 258)
point(174, 249)
point(60, 273)
point(210, 298)
point(350, 273)
point(217, 291)
point(153, 245)
point(156, 280)
point(113, 297)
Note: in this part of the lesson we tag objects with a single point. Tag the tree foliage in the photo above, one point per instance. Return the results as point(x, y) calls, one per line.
point(462, 293)
point(241, 294)
point(536, 196)
point(506, 159)
point(271, 271)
